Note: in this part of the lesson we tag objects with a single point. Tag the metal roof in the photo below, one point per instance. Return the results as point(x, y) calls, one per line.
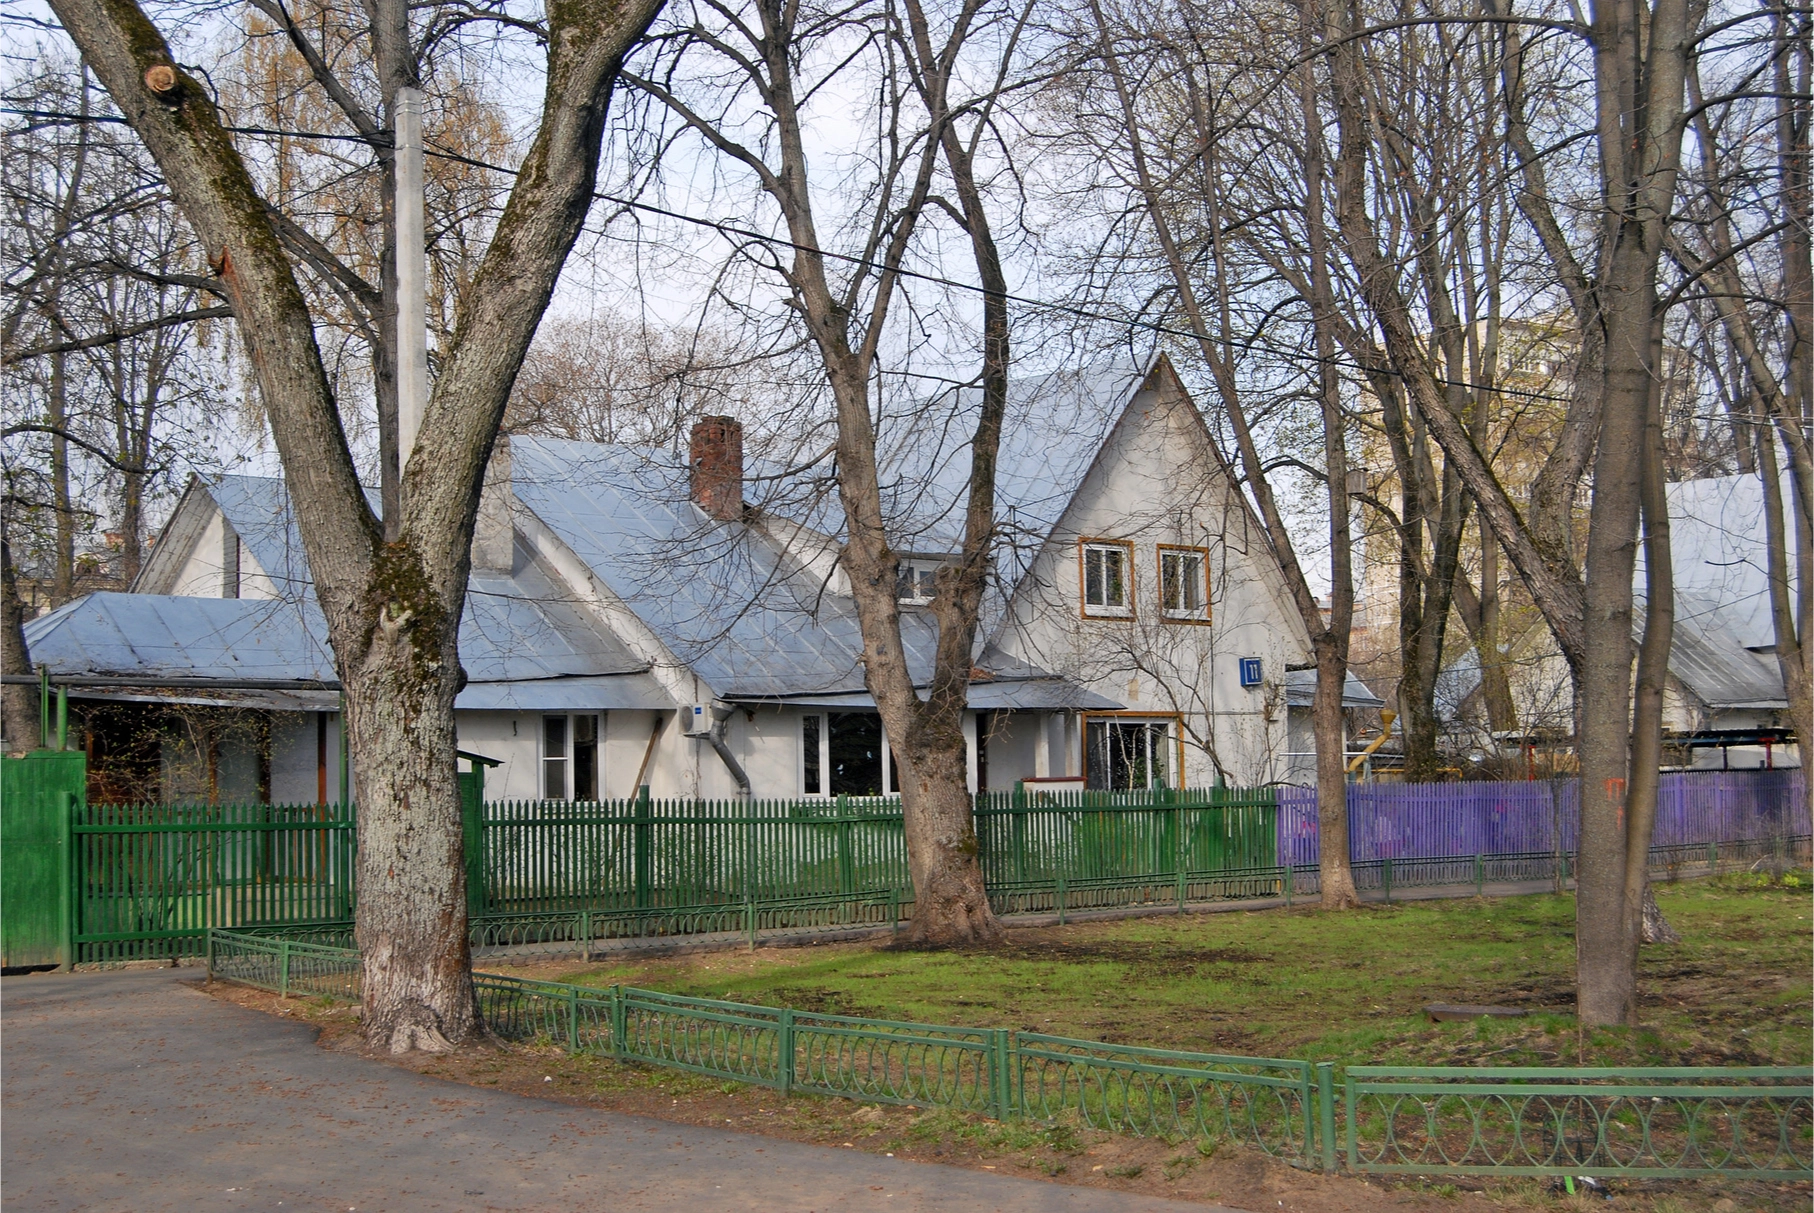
point(1723, 643)
point(1021, 694)
point(1300, 691)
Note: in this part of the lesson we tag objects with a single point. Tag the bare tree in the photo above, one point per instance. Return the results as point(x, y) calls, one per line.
point(392, 590)
point(766, 61)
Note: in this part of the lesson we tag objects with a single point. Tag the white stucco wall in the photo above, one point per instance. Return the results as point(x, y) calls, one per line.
point(202, 572)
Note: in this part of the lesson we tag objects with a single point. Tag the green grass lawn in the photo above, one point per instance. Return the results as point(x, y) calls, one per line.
point(1302, 983)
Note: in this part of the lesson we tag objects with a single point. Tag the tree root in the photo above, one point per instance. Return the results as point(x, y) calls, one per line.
point(1656, 928)
point(413, 1027)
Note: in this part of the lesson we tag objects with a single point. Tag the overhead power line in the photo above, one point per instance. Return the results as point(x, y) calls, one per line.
point(744, 233)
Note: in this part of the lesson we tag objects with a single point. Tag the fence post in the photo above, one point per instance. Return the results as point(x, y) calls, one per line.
point(1479, 874)
point(585, 933)
point(1352, 1132)
point(619, 1023)
point(784, 1060)
point(749, 919)
point(1713, 858)
point(894, 911)
point(283, 968)
point(1178, 851)
point(1386, 877)
point(572, 1019)
point(1002, 1098)
point(1325, 1111)
point(1061, 898)
point(641, 845)
point(72, 879)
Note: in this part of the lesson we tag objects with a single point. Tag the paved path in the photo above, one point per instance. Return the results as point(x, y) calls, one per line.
point(130, 1091)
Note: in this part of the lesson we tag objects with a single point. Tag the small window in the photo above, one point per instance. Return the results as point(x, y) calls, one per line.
point(570, 757)
point(1183, 584)
point(1108, 579)
point(916, 581)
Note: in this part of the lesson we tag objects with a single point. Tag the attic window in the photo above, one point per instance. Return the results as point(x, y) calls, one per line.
point(1106, 570)
point(915, 581)
point(1184, 584)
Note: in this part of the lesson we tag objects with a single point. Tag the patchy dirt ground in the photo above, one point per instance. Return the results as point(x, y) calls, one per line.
point(1060, 1153)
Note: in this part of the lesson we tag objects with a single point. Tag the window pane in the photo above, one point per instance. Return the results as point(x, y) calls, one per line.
point(1092, 576)
point(856, 753)
point(554, 757)
point(1169, 582)
point(1096, 739)
point(1115, 581)
point(585, 757)
point(809, 755)
point(1193, 587)
point(903, 581)
point(1159, 751)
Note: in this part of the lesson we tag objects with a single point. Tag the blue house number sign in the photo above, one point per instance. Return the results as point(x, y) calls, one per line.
point(1250, 672)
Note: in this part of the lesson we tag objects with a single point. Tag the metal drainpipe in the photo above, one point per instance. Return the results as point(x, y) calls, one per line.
point(721, 715)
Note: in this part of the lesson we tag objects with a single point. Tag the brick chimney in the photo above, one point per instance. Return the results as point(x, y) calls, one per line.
point(717, 467)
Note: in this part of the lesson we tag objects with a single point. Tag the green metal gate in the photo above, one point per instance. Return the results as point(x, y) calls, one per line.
point(38, 792)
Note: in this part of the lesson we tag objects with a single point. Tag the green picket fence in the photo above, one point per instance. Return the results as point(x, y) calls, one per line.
point(1738, 1122)
point(149, 880)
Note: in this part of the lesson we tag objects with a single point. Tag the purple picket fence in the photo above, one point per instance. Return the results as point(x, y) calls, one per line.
point(1461, 820)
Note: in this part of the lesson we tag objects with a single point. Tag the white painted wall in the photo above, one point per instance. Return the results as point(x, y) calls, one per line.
point(202, 572)
point(295, 750)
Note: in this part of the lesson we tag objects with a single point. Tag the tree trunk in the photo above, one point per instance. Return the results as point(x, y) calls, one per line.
point(1335, 868)
point(21, 722)
point(950, 905)
point(1605, 953)
point(412, 931)
point(63, 574)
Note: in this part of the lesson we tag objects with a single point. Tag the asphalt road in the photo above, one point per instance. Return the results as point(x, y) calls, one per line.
point(131, 1091)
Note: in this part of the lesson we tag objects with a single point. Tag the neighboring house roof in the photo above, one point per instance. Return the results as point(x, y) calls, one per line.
point(1722, 649)
point(1300, 691)
point(1723, 645)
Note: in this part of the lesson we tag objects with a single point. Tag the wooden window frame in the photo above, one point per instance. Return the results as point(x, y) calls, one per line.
point(1177, 719)
point(1084, 610)
point(1159, 566)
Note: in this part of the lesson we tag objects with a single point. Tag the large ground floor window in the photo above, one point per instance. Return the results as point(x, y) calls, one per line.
point(1124, 754)
point(845, 754)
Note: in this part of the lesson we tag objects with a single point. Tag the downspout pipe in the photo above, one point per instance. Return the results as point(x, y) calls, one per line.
point(721, 715)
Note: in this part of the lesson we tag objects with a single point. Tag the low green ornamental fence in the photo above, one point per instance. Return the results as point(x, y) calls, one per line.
point(1737, 1120)
point(1745, 1122)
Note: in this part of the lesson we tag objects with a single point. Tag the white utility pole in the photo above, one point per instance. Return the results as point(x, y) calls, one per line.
point(412, 276)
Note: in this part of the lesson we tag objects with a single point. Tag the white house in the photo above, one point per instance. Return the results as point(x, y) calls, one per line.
point(635, 618)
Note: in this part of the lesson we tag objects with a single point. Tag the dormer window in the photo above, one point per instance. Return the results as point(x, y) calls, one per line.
point(916, 581)
point(1107, 573)
point(1183, 584)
